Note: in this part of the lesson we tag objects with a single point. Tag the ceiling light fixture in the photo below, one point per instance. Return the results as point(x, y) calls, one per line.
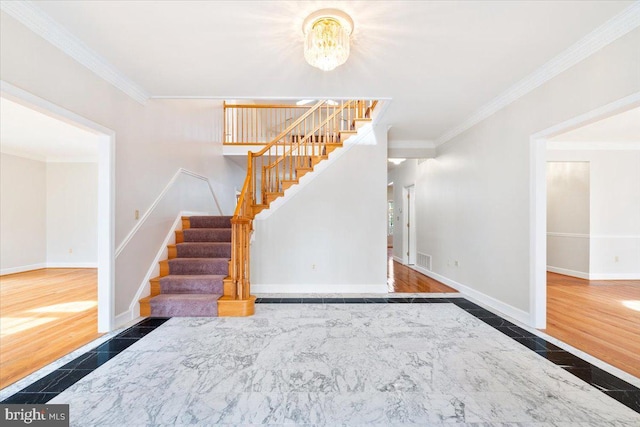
point(326, 38)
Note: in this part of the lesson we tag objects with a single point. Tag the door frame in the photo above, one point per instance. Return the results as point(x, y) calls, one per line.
point(106, 193)
point(408, 225)
point(538, 200)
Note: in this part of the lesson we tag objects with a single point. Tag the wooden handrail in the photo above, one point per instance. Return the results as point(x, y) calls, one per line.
point(291, 127)
point(301, 107)
point(245, 188)
point(310, 134)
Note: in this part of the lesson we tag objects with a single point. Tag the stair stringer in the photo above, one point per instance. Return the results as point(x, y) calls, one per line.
point(347, 145)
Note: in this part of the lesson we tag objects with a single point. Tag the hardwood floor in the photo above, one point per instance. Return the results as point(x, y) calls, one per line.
point(401, 278)
point(45, 314)
point(601, 318)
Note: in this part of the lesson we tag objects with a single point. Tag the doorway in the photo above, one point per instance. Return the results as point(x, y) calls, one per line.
point(538, 199)
point(67, 257)
point(585, 210)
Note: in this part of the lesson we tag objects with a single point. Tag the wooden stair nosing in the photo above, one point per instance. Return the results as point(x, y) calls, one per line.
point(229, 288)
point(154, 285)
point(186, 223)
point(164, 267)
point(302, 171)
point(273, 196)
point(361, 122)
point(348, 133)
point(288, 183)
point(172, 251)
point(317, 159)
point(259, 208)
point(145, 306)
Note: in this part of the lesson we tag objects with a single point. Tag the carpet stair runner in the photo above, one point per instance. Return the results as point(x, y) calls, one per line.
point(191, 280)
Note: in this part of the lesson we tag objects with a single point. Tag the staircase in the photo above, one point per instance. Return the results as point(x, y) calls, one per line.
point(307, 141)
point(208, 270)
point(191, 281)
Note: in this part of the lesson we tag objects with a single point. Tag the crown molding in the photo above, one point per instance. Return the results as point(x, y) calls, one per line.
point(34, 18)
point(593, 145)
point(614, 28)
point(405, 143)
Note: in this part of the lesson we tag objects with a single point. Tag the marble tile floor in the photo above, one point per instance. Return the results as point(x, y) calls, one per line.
point(360, 361)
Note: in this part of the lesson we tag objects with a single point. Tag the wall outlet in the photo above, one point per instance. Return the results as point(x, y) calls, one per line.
point(616, 259)
point(137, 214)
point(313, 266)
point(70, 250)
point(456, 263)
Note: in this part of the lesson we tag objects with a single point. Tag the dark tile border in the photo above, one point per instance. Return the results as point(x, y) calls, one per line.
point(347, 300)
point(54, 383)
point(59, 380)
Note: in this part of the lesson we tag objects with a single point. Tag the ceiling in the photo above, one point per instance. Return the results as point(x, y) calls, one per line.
point(621, 128)
point(438, 61)
point(28, 133)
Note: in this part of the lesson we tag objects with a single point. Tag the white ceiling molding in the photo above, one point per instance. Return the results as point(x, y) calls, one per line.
point(12, 151)
point(595, 145)
point(411, 149)
point(31, 155)
point(411, 144)
point(42, 24)
point(614, 28)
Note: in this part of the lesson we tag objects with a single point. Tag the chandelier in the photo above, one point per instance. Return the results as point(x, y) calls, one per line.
point(326, 38)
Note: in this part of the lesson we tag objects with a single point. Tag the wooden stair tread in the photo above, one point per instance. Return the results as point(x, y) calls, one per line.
point(286, 184)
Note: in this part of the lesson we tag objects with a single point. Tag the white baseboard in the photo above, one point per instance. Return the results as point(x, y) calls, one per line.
point(594, 276)
point(72, 265)
point(23, 268)
point(31, 267)
point(123, 318)
point(478, 297)
point(397, 259)
point(319, 289)
point(567, 272)
point(614, 276)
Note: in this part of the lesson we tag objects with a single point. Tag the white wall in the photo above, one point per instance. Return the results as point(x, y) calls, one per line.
point(331, 236)
point(153, 142)
point(473, 198)
point(22, 214)
point(568, 218)
point(72, 214)
point(615, 210)
point(48, 209)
